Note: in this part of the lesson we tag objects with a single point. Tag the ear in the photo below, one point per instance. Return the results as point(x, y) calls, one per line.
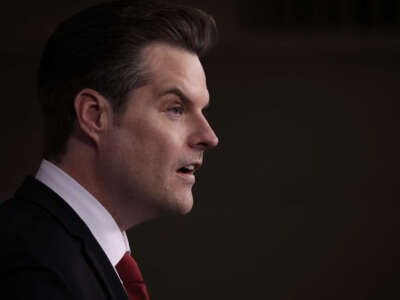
point(93, 113)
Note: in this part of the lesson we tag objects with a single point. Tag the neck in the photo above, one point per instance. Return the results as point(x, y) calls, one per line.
point(81, 162)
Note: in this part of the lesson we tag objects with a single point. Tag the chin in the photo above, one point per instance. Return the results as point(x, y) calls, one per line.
point(183, 205)
point(186, 209)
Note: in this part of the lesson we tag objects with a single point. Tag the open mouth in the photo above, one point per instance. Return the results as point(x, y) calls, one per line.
point(189, 169)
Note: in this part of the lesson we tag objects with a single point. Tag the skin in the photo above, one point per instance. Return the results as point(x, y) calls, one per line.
point(131, 161)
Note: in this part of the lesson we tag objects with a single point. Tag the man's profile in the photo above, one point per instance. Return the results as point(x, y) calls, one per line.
point(123, 92)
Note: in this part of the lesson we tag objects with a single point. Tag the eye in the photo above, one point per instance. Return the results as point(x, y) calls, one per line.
point(176, 110)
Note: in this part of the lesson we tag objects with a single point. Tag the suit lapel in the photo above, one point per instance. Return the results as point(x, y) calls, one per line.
point(38, 193)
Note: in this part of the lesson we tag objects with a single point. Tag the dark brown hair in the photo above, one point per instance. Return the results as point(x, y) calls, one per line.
point(100, 48)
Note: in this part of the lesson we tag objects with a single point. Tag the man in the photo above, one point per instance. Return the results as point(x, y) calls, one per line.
point(123, 94)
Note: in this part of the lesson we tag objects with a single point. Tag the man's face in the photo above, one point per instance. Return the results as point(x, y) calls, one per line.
point(155, 146)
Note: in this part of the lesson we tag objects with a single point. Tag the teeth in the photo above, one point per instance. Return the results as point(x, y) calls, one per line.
point(189, 169)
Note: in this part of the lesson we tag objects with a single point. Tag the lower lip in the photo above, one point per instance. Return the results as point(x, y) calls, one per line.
point(190, 178)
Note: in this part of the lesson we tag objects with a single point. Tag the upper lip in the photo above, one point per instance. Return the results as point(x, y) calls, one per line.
point(197, 165)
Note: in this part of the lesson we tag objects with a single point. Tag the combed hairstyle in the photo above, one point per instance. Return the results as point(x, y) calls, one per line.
point(101, 48)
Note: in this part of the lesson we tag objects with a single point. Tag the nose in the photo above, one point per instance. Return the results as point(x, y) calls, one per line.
point(204, 136)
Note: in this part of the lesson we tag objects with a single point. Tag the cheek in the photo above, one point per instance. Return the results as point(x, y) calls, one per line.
point(164, 155)
point(163, 151)
point(148, 147)
point(158, 136)
point(152, 143)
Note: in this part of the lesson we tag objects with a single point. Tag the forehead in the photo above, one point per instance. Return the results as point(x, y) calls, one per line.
point(171, 68)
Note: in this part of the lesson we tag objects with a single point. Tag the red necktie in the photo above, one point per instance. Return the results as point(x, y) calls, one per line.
point(132, 278)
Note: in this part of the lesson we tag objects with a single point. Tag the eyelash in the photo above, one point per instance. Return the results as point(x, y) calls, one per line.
point(176, 110)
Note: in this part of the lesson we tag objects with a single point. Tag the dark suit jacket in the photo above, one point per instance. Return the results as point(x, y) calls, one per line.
point(47, 252)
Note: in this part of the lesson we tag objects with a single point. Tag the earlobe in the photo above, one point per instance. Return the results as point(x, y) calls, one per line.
point(92, 113)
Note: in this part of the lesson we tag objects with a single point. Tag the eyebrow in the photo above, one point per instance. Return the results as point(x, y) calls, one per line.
point(182, 96)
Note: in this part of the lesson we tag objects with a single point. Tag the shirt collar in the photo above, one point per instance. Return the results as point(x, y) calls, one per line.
point(99, 221)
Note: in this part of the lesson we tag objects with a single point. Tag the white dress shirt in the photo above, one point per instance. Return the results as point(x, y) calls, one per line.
point(112, 240)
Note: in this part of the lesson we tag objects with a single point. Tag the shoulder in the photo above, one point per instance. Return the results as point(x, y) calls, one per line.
point(40, 247)
point(31, 244)
point(32, 235)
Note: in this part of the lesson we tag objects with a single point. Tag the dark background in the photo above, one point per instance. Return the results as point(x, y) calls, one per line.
point(299, 201)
